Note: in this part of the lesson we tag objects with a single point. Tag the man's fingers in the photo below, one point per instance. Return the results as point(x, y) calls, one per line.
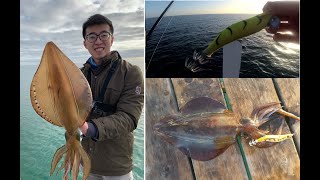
point(286, 38)
point(282, 8)
point(271, 30)
point(283, 27)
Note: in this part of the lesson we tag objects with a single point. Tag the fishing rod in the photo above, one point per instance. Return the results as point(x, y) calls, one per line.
point(152, 29)
point(156, 23)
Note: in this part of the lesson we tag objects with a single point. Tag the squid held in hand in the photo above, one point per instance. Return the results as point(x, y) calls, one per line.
point(61, 95)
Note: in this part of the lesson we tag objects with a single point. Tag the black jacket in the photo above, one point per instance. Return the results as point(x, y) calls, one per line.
point(112, 153)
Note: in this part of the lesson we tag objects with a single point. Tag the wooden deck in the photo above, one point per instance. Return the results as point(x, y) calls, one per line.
point(165, 96)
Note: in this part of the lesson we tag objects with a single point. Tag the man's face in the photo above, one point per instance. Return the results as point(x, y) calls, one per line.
point(98, 48)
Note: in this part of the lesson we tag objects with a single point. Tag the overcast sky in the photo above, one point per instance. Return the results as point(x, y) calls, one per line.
point(61, 21)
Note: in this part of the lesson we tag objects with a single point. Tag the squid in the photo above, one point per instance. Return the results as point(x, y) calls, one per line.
point(204, 128)
point(234, 32)
point(61, 95)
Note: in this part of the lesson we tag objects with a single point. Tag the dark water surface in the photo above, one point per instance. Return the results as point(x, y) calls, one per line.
point(176, 37)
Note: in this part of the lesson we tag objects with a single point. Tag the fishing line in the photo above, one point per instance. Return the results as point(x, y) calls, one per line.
point(158, 43)
point(243, 155)
point(287, 119)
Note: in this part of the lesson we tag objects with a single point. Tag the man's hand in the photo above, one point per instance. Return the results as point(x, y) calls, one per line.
point(84, 128)
point(288, 13)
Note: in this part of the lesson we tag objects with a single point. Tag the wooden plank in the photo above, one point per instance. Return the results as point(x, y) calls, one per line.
point(277, 162)
point(290, 95)
point(163, 161)
point(228, 165)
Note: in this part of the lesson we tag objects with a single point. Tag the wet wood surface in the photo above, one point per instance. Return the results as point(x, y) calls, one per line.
point(289, 89)
point(280, 161)
point(164, 161)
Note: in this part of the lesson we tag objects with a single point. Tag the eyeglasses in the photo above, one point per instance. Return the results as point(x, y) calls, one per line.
point(102, 36)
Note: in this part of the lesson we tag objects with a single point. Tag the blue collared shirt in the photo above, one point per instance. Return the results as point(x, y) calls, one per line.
point(92, 63)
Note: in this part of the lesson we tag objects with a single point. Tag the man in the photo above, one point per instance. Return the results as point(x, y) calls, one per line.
point(118, 93)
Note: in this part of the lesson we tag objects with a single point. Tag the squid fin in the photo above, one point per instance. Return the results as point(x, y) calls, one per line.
point(203, 105)
point(202, 154)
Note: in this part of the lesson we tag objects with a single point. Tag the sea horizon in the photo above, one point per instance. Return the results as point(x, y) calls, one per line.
point(177, 37)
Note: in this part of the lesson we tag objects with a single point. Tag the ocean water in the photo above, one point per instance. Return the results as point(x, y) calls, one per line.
point(39, 139)
point(176, 37)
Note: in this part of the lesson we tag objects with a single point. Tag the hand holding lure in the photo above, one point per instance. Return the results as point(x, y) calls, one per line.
point(235, 31)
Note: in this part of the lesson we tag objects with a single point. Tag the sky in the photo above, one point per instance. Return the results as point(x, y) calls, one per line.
point(179, 7)
point(61, 21)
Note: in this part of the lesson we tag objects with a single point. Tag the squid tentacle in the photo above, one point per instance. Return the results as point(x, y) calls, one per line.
point(74, 153)
point(57, 157)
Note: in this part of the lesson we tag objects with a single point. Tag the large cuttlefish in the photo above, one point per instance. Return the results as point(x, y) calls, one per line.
point(61, 95)
point(204, 128)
